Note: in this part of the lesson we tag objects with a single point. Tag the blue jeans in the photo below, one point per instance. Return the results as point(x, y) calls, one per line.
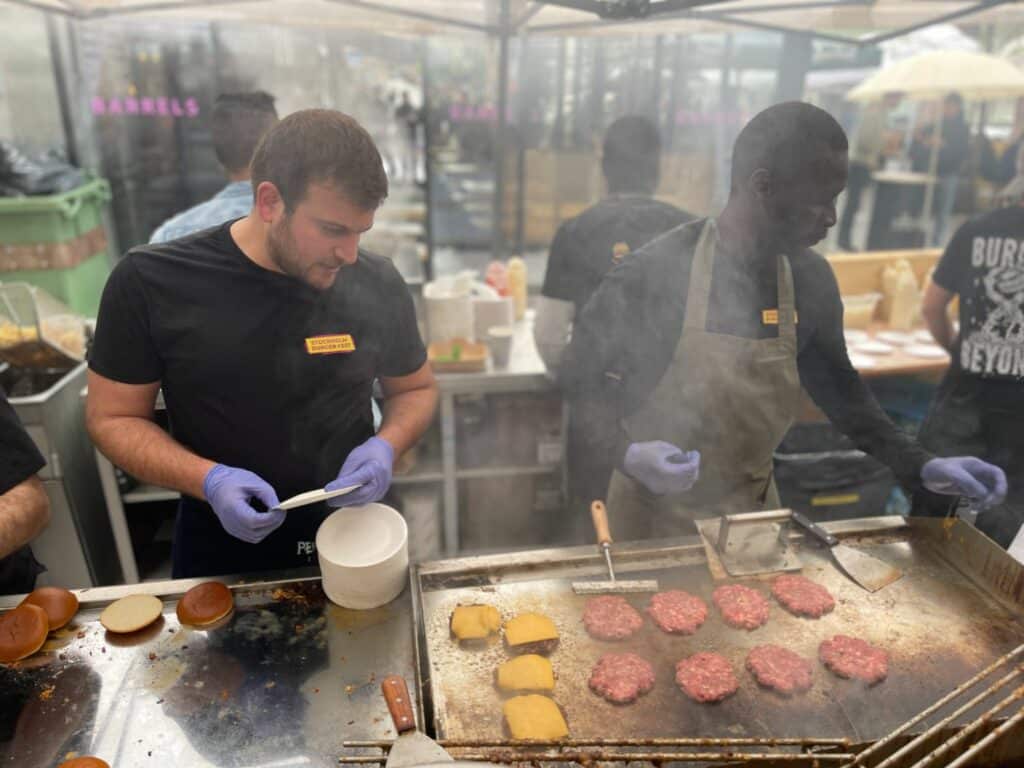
point(945, 199)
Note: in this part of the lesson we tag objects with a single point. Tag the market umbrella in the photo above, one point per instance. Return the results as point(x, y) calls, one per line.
point(930, 76)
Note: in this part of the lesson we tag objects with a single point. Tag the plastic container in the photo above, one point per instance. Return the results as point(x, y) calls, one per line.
point(364, 555)
point(53, 218)
point(819, 472)
point(37, 331)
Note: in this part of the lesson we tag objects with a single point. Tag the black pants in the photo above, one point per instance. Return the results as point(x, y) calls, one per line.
point(858, 181)
point(971, 418)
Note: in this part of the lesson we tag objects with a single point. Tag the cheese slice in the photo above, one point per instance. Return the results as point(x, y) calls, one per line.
point(529, 628)
point(475, 622)
point(535, 717)
point(529, 672)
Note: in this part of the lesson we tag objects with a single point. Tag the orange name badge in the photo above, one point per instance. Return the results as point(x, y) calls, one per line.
point(331, 344)
point(771, 317)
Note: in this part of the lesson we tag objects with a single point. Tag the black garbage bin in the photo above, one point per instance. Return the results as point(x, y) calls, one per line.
point(819, 472)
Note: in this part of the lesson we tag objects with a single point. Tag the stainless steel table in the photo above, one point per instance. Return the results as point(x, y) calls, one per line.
point(285, 681)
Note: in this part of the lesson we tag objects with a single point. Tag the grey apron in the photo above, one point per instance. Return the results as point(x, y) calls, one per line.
point(730, 398)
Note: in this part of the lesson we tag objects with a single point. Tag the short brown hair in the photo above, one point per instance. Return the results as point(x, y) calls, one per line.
point(321, 146)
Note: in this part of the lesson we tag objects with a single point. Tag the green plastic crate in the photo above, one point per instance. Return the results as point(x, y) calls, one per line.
point(53, 218)
point(80, 287)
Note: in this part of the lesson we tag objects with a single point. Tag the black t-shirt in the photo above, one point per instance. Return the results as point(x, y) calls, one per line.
point(626, 337)
point(20, 457)
point(230, 343)
point(583, 250)
point(19, 460)
point(984, 265)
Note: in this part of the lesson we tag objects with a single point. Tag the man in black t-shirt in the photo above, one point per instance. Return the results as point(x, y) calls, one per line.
point(979, 407)
point(266, 335)
point(585, 248)
point(24, 507)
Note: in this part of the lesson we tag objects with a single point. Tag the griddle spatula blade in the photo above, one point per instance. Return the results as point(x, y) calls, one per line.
point(613, 586)
point(865, 570)
point(412, 747)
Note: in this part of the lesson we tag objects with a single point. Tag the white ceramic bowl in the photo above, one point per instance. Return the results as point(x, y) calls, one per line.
point(364, 555)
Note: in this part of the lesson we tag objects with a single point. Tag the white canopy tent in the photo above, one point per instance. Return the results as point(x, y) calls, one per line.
point(872, 20)
point(847, 22)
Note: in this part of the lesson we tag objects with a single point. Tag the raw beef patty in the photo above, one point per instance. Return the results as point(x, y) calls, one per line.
point(706, 677)
point(677, 612)
point(776, 667)
point(801, 596)
point(621, 677)
point(852, 657)
point(610, 617)
point(741, 607)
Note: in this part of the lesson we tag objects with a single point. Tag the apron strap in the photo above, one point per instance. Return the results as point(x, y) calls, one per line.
point(787, 299)
point(698, 294)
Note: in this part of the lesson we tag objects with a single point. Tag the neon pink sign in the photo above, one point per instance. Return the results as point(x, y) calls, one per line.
point(146, 105)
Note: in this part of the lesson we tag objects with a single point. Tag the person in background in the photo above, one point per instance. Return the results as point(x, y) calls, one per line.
point(409, 119)
point(585, 248)
point(979, 406)
point(24, 506)
point(239, 122)
point(266, 334)
point(866, 157)
point(952, 146)
point(692, 353)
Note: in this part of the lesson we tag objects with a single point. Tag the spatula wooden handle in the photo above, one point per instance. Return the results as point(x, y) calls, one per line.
point(600, 517)
point(396, 694)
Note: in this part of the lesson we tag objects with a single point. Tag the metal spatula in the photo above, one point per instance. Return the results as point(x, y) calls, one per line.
point(613, 586)
point(865, 570)
point(412, 747)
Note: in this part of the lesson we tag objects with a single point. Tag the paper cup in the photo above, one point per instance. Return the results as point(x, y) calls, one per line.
point(499, 340)
point(364, 555)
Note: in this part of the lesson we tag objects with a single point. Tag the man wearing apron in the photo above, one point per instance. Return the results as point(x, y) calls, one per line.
point(265, 334)
point(690, 357)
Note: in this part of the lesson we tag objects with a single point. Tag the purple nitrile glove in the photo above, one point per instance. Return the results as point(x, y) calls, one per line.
point(984, 484)
point(661, 467)
point(368, 465)
point(229, 489)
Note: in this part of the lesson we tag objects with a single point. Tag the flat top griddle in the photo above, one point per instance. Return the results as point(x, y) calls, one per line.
point(957, 609)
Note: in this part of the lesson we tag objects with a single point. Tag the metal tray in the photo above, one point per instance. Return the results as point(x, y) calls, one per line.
point(959, 606)
point(283, 682)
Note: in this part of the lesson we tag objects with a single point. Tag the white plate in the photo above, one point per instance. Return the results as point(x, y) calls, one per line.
point(862, 362)
point(898, 338)
point(924, 336)
point(929, 351)
point(855, 337)
point(312, 497)
point(873, 348)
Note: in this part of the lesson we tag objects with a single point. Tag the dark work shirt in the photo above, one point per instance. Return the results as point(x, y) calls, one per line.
point(627, 334)
point(583, 250)
point(19, 460)
point(229, 342)
point(984, 265)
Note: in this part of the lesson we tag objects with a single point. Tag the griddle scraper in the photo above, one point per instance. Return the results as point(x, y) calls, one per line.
point(412, 747)
point(604, 540)
point(865, 570)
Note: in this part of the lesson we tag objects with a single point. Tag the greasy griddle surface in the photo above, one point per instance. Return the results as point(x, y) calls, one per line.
point(938, 627)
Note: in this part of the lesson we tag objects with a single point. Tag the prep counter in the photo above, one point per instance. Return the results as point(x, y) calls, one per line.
point(284, 682)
